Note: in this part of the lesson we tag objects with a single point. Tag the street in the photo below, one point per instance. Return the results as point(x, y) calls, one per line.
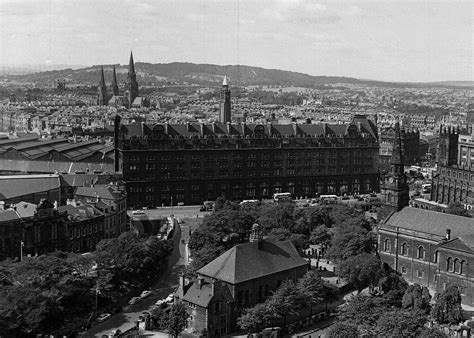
point(191, 211)
point(165, 285)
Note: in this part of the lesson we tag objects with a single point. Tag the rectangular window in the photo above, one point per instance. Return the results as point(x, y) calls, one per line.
point(404, 270)
point(419, 274)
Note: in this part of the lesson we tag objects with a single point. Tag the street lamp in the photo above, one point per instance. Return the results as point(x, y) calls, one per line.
point(22, 244)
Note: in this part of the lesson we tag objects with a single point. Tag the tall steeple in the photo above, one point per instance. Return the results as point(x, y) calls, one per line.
point(132, 81)
point(395, 188)
point(225, 104)
point(115, 88)
point(102, 90)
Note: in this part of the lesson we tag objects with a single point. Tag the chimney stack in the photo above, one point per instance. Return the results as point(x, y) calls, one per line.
point(200, 282)
point(448, 234)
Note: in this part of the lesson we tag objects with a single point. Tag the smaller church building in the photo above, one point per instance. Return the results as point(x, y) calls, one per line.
point(429, 248)
point(241, 277)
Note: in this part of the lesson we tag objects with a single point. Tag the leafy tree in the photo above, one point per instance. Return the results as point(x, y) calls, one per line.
point(417, 298)
point(254, 318)
point(312, 289)
point(321, 235)
point(393, 287)
point(401, 323)
point(175, 320)
point(363, 311)
point(362, 270)
point(345, 330)
point(278, 215)
point(350, 240)
point(456, 208)
point(447, 307)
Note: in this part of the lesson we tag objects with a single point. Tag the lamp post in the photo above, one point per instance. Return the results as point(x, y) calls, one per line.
point(22, 244)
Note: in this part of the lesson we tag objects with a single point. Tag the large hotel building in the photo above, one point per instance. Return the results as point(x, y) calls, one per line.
point(166, 164)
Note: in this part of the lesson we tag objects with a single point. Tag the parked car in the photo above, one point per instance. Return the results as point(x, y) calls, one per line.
point(145, 294)
point(103, 317)
point(134, 300)
point(160, 302)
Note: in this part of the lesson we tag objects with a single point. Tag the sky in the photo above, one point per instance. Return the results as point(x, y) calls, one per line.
point(399, 40)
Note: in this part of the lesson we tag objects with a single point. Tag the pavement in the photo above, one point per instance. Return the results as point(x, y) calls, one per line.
point(167, 283)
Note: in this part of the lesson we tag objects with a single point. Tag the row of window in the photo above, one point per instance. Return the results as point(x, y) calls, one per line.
point(455, 265)
point(251, 156)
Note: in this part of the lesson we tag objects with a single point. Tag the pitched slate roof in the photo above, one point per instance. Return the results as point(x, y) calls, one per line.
point(247, 261)
point(199, 296)
point(12, 186)
point(431, 222)
point(103, 191)
point(8, 215)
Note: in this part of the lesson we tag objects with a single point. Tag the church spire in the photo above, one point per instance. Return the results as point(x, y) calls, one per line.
point(132, 82)
point(395, 188)
point(131, 65)
point(102, 89)
point(225, 103)
point(102, 78)
point(115, 88)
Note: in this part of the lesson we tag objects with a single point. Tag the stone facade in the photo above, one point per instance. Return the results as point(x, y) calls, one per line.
point(423, 254)
point(165, 164)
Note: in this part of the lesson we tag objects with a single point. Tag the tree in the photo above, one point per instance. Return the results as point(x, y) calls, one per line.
point(312, 290)
point(456, 208)
point(321, 235)
point(362, 270)
point(393, 287)
point(350, 240)
point(401, 323)
point(284, 301)
point(363, 311)
point(175, 320)
point(447, 307)
point(417, 298)
point(253, 318)
point(345, 330)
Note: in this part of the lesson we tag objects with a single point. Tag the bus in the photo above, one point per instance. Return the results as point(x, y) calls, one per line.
point(248, 202)
point(282, 196)
point(328, 199)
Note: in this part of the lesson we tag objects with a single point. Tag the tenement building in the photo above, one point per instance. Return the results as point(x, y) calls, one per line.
point(454, 179)
point(164, 164)
point(430, 248)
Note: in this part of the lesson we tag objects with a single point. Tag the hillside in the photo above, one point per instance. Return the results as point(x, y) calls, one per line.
point(201, 74)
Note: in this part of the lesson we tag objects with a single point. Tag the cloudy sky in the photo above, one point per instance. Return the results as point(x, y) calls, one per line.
point(399, 40)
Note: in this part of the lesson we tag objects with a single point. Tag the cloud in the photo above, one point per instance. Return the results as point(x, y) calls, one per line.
point(310, 12)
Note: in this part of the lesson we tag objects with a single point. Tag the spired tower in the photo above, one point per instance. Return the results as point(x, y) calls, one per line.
point(132, 82)
point(102, 90)
point(225, 106)
point(395, 188)
point(114, 86)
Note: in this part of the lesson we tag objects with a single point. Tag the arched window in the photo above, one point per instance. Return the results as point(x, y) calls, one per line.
point(404, 249)
point(386, 245)
point(461, 267)
point(421, 252)
point(435, 257)
point(457, 266)
point(450, 264)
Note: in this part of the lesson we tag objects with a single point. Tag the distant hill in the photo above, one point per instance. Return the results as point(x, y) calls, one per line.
point(203, 74)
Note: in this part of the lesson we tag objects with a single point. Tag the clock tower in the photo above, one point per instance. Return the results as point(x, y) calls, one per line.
point(395, 188)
